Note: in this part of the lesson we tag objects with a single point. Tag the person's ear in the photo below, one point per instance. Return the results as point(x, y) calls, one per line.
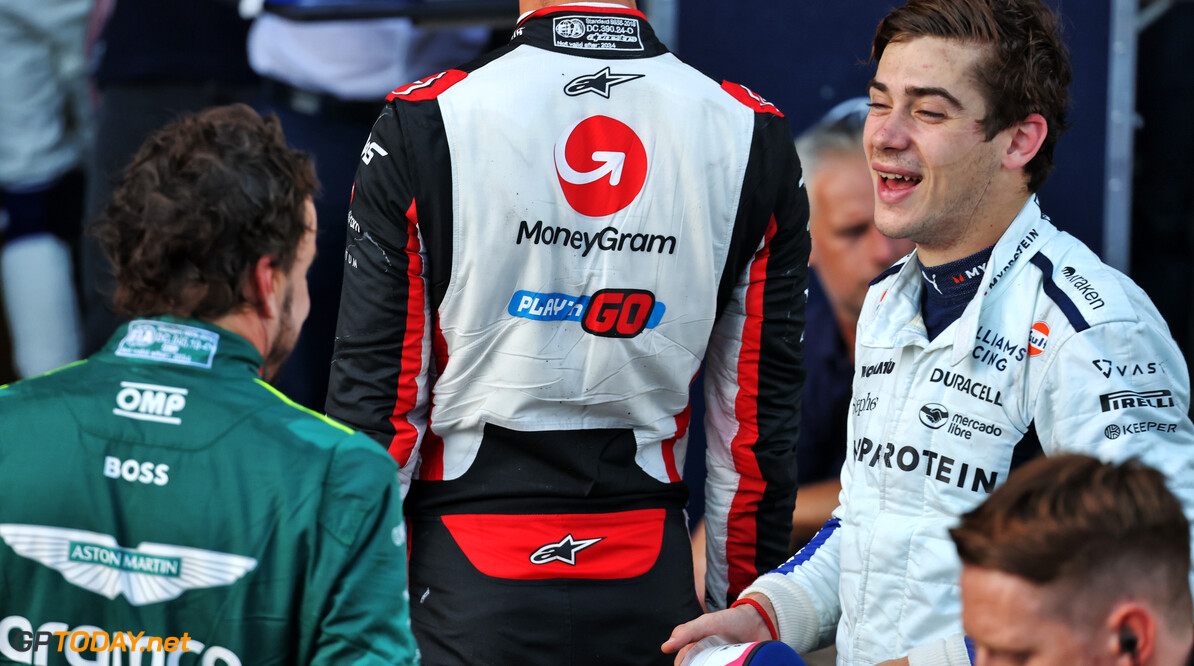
point(265, 284)
point(1132, 631)
point(1025, 140)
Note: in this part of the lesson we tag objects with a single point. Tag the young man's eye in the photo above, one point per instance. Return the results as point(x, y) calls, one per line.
point(930, 115)
point(877, 106)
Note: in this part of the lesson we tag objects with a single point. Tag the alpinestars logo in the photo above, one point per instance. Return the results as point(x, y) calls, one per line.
point(564, 550)
point(599, 83)
point(601, 164)
point(147, 574)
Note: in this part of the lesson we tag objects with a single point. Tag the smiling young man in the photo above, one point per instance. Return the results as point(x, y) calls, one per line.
point(1000, 338)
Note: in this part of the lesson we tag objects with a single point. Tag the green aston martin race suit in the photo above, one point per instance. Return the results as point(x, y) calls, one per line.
point(160, 490)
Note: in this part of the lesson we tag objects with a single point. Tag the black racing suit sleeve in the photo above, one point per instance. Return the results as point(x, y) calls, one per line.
point(379, 375)
point(763, 295)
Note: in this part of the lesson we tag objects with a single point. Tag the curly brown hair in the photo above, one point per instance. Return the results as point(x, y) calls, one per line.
point(203, 200)
point(1026, 70)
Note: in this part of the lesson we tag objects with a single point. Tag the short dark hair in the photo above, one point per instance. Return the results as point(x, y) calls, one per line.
point(1026, 69)
point(1094, 531)
point(202, 201)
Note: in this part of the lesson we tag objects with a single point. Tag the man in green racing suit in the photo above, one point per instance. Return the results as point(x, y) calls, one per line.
point(160, 497)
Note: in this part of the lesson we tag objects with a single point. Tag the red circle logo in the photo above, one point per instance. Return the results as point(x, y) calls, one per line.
point(601, 164)
point(1038, 337)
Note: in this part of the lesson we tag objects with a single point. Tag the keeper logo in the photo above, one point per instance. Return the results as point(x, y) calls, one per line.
point(601, 165)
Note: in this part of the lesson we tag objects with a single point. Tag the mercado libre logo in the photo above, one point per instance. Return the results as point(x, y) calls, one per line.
point(601, 164)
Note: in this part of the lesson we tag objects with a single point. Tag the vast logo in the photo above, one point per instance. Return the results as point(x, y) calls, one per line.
point(609, 313)
point(147, 574)
point(1117, 400)
point(564, 550)
point(934, 415)
point(601, 164)
point(1107, 366)
point(599, 83)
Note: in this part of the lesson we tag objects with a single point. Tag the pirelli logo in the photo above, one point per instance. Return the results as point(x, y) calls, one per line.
point(1125, 399)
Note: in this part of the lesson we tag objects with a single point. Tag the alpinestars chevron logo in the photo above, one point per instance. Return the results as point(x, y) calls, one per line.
point(147, 574)
point(564, 550)
point(599, 83)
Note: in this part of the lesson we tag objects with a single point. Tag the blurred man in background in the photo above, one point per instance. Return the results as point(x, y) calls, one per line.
point(45, 135)
point(847, 253)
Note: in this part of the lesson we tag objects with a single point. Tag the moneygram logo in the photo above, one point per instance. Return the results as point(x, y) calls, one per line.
point(601, 164)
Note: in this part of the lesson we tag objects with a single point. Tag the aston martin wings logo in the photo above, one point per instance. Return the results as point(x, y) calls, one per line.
point(147, 574)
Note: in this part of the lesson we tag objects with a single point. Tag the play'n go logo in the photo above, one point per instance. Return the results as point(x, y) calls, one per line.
point(601, 164)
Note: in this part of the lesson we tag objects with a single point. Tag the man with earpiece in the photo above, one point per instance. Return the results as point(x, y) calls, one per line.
point(1076, 561)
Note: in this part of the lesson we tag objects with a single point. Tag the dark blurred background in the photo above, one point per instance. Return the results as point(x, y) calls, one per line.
point(1121, 182)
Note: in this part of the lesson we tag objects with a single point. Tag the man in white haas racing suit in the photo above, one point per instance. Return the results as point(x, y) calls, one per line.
point(998, 337)
point(543, 246)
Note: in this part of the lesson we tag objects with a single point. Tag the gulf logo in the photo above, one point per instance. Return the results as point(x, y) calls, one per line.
point(1038, 338)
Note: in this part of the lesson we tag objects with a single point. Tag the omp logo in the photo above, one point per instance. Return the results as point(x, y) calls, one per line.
point(570, 28)
point(150, 402)
point(147, 574)
point(564, 550)
point(601, 165)
point(1125, 399)
point(618, 313)
point(372, 148)
point(934, 415)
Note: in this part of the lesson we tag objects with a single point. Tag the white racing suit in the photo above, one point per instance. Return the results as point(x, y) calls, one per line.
point(1056, 352)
